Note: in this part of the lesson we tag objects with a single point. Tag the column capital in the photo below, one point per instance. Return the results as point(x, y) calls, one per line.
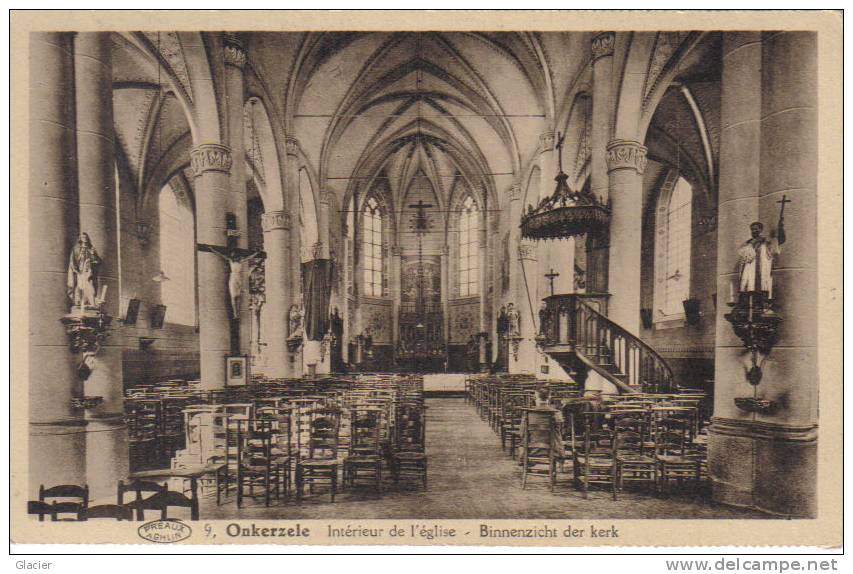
point(396, 251)
point(602, 45)
point(527, 251)
point(326, 197)
point(515, 192)
point(547, 141)
point(291, 145)
point(626, 154)
point(210, 157)
point(275, 220)
point(235, 54)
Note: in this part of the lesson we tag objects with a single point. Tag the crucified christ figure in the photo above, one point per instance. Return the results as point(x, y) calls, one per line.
point(235, 275)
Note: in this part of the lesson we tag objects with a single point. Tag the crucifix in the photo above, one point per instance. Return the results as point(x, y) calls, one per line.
point(421, 226)
point(551, 275)
point(234, 256)
point(420, 218)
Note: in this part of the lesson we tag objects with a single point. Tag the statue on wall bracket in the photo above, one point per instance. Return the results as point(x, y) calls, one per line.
point(86, 324)
point(753, 315)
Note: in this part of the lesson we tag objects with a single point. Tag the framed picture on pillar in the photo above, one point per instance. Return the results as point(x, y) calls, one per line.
point(236, 371)
point(132, 312)
point(158, 316)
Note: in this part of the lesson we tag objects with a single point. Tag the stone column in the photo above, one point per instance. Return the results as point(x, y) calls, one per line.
point(626, 161)
point(445, 293)
point(235, 97)
point(291, 179)
point(484, 282)
point(769, 149)
point(57, 441)
point(276, 226)
point(394, 281)
point(514, 207)
point(211, 165)
point(602, 108)
point(601, 49)
point(106, 436)
point(546, 253)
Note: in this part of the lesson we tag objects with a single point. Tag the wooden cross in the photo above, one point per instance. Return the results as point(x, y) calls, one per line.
point(783, 201)
point(780, 229)
point(551, 275)
point(230, 250)
point(420, 218)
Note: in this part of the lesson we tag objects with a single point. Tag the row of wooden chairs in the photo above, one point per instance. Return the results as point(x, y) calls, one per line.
point(71, 502)
point(616, 446)
point(616, 440)
point(356, 426)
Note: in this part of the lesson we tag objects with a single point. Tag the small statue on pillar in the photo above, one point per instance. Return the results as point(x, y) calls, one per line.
point(86, 325)
point(83, 267)
point(513, 321)
point(752, 317)
point(294, 319)
point(755, 261)
point(257, 296)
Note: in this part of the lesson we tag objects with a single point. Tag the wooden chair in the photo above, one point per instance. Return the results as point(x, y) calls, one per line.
point(511, 420)
point(257, 466)
point(320, 464)
point(41, 509)
point(539, 435)
point(114, 511)
point(137, 487)
point(409, 458)
point(162, 501)
point(594, 463)
point(73, 499)
point(672, 457)
point(365, 448)
point(282, 441)
point(634, 461)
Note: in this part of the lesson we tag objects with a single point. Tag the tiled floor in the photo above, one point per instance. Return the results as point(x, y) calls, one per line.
point(470, 477)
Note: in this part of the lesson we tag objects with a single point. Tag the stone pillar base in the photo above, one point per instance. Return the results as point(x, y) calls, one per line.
point(107, 457)
point(57, 455)
point(767, 467)
point(526, 359)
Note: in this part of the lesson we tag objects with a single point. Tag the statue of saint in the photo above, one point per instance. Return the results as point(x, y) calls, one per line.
point(513, 321)
point(83, 267)
point(755, 259)
point(503, 322)
point(295, 320)
point(235, 277)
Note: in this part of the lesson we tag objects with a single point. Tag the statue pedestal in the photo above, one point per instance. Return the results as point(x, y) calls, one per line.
point(86, 329)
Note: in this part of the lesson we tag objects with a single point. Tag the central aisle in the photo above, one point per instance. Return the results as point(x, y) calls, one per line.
point(470, 477)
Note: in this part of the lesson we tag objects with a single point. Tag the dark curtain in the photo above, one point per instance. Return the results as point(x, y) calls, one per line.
point(317, 290)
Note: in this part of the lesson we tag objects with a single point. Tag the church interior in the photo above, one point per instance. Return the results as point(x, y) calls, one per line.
point(433, 275)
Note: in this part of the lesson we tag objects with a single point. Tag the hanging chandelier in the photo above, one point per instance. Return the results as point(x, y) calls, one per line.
point(565, 213)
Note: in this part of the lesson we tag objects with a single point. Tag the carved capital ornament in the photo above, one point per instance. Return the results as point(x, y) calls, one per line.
point(291, 145)
point(527, 251)
point(515, 192)
point(547, 141)
point(602, 45)
point(235, 54)
point(626, 154)
point(210, 157)
point(275, 220)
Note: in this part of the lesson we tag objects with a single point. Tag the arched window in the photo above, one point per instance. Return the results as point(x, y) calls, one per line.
point(674, 267)
point(371, 241)
point(177, 259)
point(469, 248)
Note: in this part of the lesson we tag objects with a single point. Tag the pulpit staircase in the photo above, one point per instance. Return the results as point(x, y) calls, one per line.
point(575, 332)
